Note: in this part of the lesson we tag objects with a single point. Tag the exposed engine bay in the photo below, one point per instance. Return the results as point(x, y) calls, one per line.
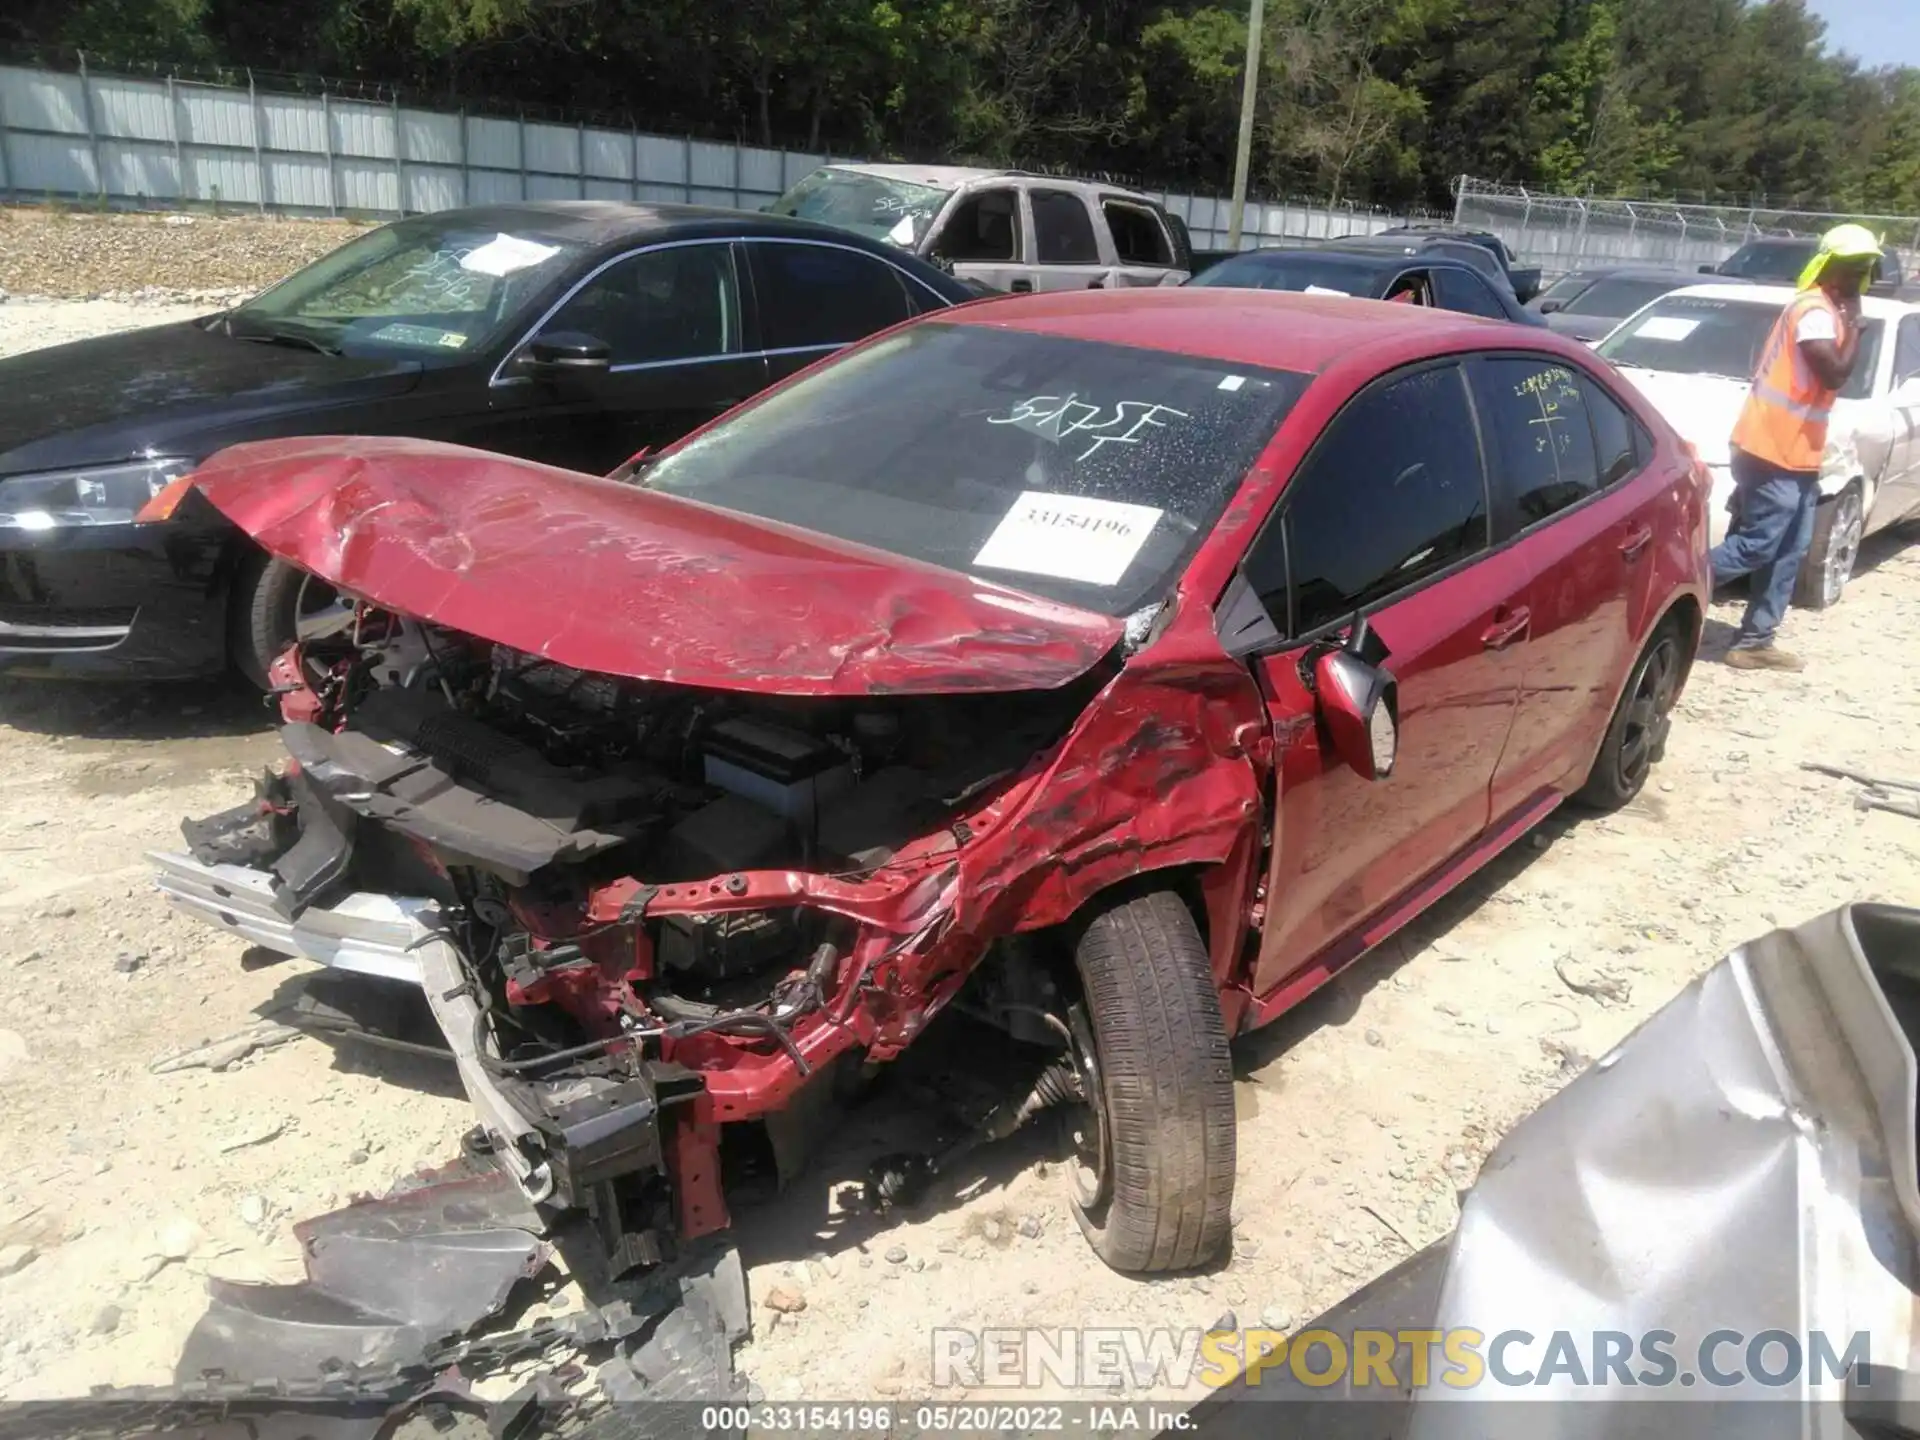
point(629, 894)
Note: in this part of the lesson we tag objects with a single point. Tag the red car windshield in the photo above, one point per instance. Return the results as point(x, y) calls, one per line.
point(1082, 472)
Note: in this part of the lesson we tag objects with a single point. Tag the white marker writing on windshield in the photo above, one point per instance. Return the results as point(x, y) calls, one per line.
point(1069, 415)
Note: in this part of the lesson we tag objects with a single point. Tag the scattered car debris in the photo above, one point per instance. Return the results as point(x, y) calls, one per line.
point(1597, 985)
point(1876, 794)
point(229, 1049)
point(1569, 1060)
point(430, 1298)
point(257, 1134)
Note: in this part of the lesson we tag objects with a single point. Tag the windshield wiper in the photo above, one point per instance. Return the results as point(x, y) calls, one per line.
point(293, 338)
point(286, 337)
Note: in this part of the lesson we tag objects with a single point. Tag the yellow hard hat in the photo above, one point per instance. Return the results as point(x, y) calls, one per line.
point(1843, 242)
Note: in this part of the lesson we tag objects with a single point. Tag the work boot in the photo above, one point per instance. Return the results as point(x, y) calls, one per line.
point(1763, 657)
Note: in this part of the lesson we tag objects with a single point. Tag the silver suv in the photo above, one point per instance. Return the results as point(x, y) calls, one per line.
point(1002, 229)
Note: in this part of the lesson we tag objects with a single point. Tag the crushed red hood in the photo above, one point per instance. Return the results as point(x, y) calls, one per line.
point(606, 577)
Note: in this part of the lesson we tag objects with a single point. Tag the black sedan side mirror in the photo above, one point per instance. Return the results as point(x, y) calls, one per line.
point(1359, 704)
point(1709, 269)
point(1549, 307)
point(567, 354)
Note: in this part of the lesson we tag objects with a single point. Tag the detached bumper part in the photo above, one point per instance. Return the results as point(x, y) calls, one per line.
point(411, 1299)
point(556, 1139)
point(310, 856)
point(387, 1282)
point(362, 932)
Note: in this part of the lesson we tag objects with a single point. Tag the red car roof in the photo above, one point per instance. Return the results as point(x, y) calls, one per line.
point(1277, 329)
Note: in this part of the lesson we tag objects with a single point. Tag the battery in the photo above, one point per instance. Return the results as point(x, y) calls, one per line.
point(788, 771)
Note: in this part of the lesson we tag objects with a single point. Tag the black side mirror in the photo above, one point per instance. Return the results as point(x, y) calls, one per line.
point(567, 354)
point(1359, 703)
point(1549, 307)
point(1709, 269)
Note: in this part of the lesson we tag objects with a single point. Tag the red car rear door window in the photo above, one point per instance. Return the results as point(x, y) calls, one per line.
point(1555, 442)
point(1539, 438)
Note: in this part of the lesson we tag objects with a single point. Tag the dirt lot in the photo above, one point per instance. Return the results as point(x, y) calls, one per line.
point(60, 252)
point(1360, 1114)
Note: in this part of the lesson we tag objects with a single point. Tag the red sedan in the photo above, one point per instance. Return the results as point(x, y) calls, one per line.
point(1128, 661)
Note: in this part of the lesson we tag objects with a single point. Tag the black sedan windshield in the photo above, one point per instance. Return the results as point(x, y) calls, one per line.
point(1301, 270)
point(434, 288)
point(1769, 262)
point(1086, 473)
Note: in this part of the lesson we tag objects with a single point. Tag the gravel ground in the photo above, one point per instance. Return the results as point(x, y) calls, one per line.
point(83, 255)
point(1361, 1114)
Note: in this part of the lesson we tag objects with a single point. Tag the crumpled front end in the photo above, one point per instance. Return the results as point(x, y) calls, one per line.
point(642, 911)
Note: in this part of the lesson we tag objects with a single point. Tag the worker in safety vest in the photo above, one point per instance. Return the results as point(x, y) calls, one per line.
point(1782, 434)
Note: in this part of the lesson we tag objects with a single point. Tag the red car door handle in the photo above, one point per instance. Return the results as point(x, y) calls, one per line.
point(1634, 544)
point(1507, 627)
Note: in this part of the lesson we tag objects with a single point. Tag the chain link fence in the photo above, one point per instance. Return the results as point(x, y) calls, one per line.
point(1570, 232)
point(320, 147)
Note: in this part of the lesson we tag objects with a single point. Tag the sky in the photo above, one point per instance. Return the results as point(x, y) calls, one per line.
point(1878, 32)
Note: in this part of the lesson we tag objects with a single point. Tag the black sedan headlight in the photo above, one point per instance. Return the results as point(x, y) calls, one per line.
point(97, 495)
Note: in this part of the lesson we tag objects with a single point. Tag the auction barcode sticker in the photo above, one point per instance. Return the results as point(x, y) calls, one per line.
point(1069, 537)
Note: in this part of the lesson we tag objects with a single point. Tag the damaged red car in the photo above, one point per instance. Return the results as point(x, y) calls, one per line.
point(1130, 662)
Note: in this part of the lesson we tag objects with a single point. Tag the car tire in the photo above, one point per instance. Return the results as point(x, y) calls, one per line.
point(270, 598)
point(1636, 737)
point(1153, 1174)
point(1837, 527)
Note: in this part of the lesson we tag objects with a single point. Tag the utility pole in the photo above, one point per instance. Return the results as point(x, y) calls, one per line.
point(1243, 156)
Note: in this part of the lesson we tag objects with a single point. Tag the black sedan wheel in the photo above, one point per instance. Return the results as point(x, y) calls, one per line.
point(275, 604)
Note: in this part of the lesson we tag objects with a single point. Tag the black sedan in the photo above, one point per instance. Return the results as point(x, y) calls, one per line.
point(1490, 263)
point(575, 333)
point(1372, 274)
point(1524, 279)
point(1587, 304)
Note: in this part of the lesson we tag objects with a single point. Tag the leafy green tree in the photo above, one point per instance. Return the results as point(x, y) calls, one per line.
point(1378, 101)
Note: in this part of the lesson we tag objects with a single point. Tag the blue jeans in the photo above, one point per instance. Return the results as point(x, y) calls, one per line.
point(1772, 527)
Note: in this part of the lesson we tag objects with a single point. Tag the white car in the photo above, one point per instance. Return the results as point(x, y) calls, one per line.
point(1692, 353)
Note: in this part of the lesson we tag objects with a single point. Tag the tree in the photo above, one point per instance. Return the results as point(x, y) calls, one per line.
point(1600, 141)
point(1378, 101)
point(1332, 118)
point(1891, 174)
point(1020, 92)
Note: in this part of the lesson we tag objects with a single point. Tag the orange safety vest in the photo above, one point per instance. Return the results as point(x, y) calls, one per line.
point(1785, 418)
